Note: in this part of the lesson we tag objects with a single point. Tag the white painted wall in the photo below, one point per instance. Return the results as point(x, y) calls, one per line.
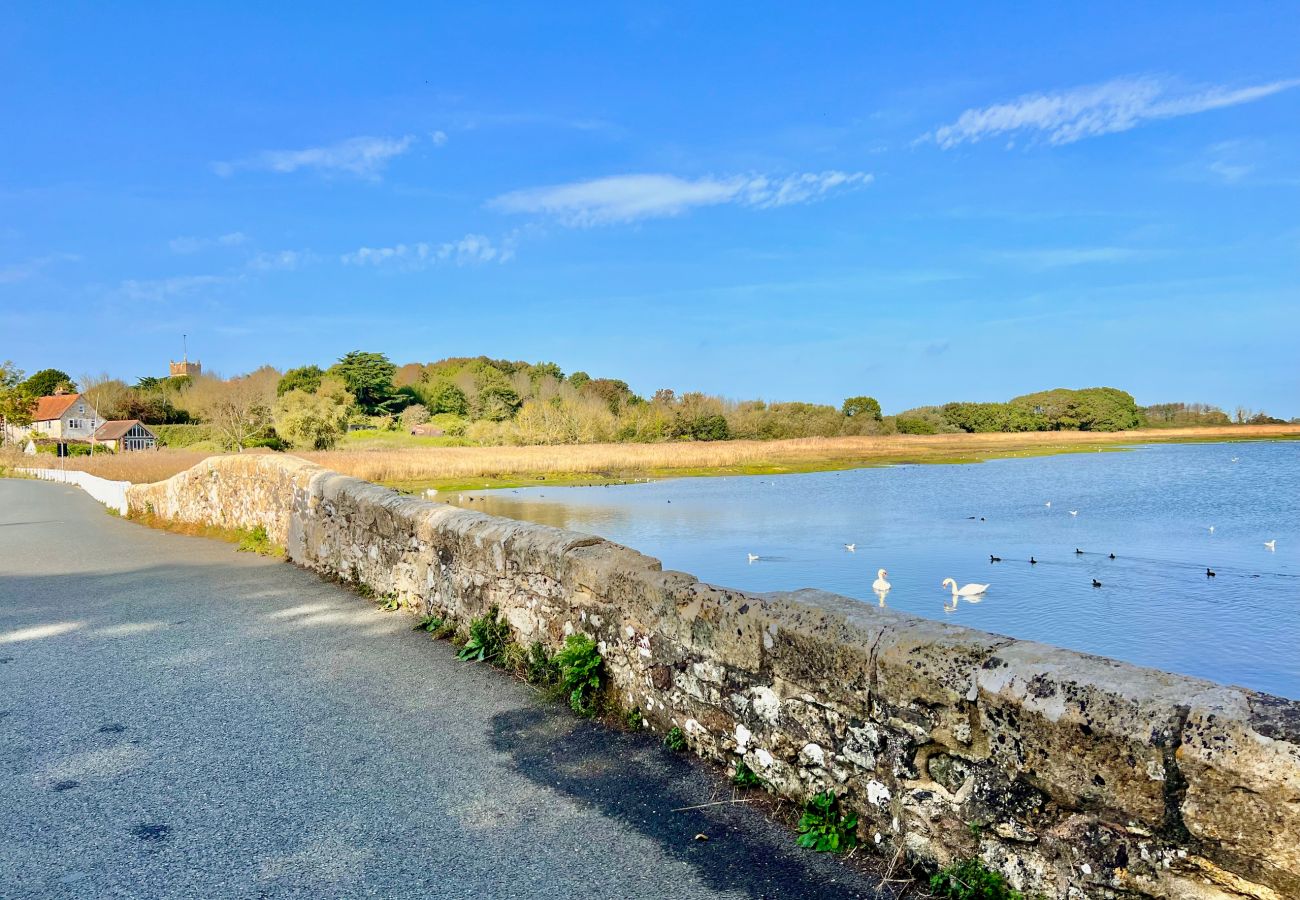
point(110, 493)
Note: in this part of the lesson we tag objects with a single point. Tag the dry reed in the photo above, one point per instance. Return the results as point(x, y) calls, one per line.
point(413, 465)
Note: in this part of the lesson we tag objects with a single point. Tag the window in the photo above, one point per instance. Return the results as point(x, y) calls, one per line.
point(74, 424)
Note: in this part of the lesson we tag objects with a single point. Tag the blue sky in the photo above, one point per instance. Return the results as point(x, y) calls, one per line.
point(770, 200)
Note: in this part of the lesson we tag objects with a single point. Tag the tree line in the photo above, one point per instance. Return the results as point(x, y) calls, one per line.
point(479, 400)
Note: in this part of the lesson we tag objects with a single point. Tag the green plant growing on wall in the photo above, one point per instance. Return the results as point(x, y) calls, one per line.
point(539, 668)
point(675, 739)
point(634, 720)
point(744, 776)
point(824, 827)
point(256, 540)
point(579, 666)
point(970, 879)
point(429, 624)
point(358, 585)
point(514, 658)
point(389, 603)
point(487, 638)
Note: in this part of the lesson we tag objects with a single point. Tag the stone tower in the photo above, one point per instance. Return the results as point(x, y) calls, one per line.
point(185, 368)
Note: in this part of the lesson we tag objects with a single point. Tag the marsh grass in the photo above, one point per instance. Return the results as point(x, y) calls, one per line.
point(416, 468)
point(463, 468)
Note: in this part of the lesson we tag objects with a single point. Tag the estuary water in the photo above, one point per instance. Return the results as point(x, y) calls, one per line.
point(1151, 506)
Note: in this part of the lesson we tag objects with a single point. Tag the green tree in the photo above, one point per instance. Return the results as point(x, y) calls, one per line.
point(578, 379)
point(313, 421)
point(441, 396)
point(16, 404)
point(613, 392)
point(47, 381)
point(303, 378)
point(369, 378)
point(541, 370)
point(495, 402)
point(710, 428)
point(861, 406)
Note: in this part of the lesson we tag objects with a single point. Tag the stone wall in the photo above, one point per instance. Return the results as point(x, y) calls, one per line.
point(1077, 776)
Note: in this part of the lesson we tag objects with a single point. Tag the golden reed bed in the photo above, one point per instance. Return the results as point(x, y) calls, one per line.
point(431, 465)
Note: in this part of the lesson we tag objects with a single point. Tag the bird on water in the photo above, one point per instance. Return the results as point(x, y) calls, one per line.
point(1112, 556)
point(852, 548)
point(1096, 583)
point(1272, 545)
point(880, 584)
point(1209, 573)
point(1078, 552)
point(1032, 561)
point(994, 559)
point(753, 557)
point(966, 590)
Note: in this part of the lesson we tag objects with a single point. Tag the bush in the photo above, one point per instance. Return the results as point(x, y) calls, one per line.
point(909, 425)
point(183, 435)
point(74, 449)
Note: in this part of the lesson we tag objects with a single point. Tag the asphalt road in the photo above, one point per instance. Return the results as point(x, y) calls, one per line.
point(181, 720)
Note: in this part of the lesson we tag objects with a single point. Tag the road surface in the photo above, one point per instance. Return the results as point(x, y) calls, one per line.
point(181, 720)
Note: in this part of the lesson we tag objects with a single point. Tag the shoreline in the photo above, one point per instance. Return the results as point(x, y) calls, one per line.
point(1107, 442)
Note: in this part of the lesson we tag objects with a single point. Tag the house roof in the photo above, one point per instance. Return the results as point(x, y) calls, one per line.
point(48, 408)
point(111, 431)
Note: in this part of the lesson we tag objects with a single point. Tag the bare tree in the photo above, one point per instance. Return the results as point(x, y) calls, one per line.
point(239, 409)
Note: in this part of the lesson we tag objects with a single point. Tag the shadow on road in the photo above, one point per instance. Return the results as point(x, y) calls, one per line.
point(631, 778)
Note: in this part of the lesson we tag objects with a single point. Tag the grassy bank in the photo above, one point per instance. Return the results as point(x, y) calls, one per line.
point(420, 467)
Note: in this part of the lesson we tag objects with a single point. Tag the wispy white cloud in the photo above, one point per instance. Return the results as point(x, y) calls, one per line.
point(439, 138)
point(627, 198)
point(1063, 117)
point(472, 249)
point(1058, 257)
point(156, 290)
point(186, 245)
point(281, 260)
point(16, 272)
point(360, 156)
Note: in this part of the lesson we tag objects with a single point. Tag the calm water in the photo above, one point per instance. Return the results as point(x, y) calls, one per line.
point(1152, 507)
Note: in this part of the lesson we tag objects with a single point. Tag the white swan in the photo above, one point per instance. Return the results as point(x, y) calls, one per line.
point(1272, 545)
point(880, 585)
point(753, 557)
point(1074, 512)
point(852, 548)
point(1048, 503)
point(967, 590)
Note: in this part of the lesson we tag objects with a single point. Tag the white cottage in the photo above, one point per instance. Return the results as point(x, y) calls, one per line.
point(65, 417)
